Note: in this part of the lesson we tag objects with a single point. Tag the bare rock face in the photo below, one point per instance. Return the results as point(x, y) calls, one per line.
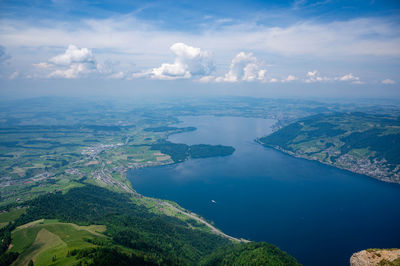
point(372, 257)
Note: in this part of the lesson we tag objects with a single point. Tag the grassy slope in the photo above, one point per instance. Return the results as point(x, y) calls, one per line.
point(10, 215)
point(45, 242)
point(148, 235)
point(41, 240)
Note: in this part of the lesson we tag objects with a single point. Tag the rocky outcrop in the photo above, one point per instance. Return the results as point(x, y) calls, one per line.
point(371, 257)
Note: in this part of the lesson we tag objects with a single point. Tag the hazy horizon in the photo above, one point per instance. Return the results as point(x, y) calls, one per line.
point(333, 49)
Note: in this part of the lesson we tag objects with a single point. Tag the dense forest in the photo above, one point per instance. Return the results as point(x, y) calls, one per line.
point(249, 254)
point(180, 152)
point(153, 239)
point(6, 258)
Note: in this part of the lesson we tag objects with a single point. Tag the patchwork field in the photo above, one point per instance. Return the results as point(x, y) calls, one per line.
point(67, 160)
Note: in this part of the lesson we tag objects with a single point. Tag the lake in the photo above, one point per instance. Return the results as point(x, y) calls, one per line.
point(317, 213)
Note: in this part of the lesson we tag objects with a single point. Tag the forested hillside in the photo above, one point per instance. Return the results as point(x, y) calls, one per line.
point(133, 234)
point(362, 143)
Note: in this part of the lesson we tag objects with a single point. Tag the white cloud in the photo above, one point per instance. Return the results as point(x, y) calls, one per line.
point(244, 67)
point(313, 76)
point(273, 80)
point(73, 63)
point(73, 71)
point(76, 62)
point(206, 79)
point(349, 77)
point(74, 55)
point(127, 39)
point(189, 61)
point(289, 78)
point(170, 71)
point(261, 74)
point(388, 81)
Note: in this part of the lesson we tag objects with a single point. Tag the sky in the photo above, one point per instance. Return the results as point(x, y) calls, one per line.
point(300, 48)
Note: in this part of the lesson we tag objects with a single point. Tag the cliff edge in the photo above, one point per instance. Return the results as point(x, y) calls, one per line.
point(371, 257)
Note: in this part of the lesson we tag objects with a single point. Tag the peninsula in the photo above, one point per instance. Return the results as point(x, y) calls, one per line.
point(359, 142)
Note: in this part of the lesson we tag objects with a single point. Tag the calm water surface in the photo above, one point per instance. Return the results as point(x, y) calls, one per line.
point(318, 214)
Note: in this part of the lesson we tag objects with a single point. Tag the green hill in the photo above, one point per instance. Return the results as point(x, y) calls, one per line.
point(49, 241)
point(362, 143)
point(95, 226)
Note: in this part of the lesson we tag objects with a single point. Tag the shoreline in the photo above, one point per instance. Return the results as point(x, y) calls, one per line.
point(185, 212)
point(290, 153)
point(199, 219)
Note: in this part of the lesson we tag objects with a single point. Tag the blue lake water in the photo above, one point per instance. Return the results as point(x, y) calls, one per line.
point(317, 213)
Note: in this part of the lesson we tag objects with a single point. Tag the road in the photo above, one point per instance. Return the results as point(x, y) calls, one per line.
point(212, 228)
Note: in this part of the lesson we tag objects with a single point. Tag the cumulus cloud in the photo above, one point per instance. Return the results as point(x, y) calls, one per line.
point(73, 63)
point(289, 78)
point(206, 79)
point(73, 71)
point(74, 55)
point(349, 77)
point(142, 41)
point(388, 81)
point(311, 74)
point(314, 76)
point(189, 62)
point(244, 67)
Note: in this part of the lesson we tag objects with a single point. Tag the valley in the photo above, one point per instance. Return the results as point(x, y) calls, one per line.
point(54, 154)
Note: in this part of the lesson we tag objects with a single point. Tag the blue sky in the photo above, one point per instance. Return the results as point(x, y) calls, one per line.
point(279, 48)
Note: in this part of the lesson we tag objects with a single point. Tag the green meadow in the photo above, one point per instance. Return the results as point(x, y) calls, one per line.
point(48, 242)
